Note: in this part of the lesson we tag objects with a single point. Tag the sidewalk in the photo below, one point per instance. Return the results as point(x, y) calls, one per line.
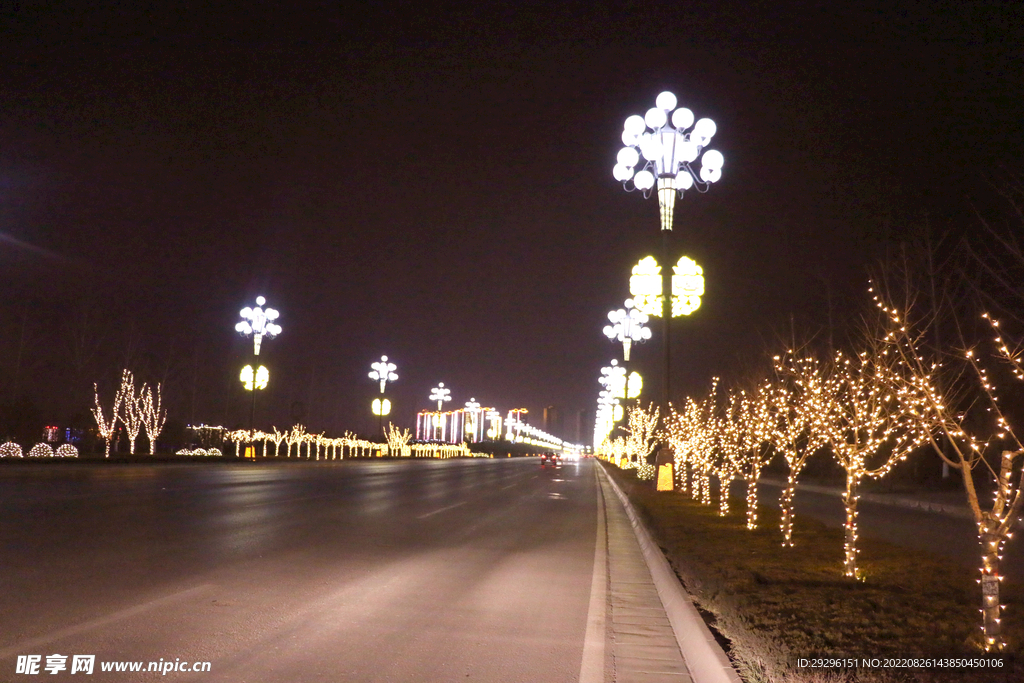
point(950, 503)
point(651, 622)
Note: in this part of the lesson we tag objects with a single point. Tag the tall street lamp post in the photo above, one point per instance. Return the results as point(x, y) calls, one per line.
point(383, 372)
point(441, 394)
point(660, 148)
point(259, 323)
point(628, 325)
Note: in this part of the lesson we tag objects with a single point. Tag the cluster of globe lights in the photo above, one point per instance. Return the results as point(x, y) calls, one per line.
point(661, 145)
point(383, 372)
point(441, 394)
point(259, 323)
point(628, 325)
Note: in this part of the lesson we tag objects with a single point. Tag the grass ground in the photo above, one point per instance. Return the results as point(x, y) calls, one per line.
point(776, 605)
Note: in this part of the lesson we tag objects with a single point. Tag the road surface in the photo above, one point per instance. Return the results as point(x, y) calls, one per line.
point(421, 570)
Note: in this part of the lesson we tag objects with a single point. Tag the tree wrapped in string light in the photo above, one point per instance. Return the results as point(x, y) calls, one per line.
point(628, 326)
point(796, 397)
point(642, 438)
point(989, 449)
point(864, 416)
point(153, 416)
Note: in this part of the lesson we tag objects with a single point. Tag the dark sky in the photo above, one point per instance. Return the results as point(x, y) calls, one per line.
point(434, 182)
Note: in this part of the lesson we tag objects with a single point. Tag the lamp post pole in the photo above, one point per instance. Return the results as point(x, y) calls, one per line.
point(383, 372)
point(259, 323)
point(441, 394)
point(659, 149)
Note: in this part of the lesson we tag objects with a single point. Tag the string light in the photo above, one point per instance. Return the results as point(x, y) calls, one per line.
point(107, 428)
point(965, 449)
point(153, 417)
point(41, 450)
point(795, 398)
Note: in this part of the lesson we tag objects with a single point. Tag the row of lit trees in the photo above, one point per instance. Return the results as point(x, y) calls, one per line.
point(136, 409)
point(312, 446)
point(868, 410)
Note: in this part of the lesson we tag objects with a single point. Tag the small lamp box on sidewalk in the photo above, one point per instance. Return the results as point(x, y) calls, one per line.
point(664, 462)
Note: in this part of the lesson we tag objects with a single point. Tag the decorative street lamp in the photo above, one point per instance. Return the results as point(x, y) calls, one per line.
point(383, 372)
point(604, 422)
point(258, 322)
point(473, 422)
point(440, 394)
point(628, 326)
point(619, 384)
point(660, 148)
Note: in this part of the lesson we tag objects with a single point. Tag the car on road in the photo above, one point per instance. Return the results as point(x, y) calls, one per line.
point(550, 460)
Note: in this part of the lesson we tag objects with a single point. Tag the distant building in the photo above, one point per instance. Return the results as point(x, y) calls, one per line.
point(553, 423)
point(584, 432)
point(456, 426)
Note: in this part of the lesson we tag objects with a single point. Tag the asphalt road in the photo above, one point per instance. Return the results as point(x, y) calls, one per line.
point(423, 570)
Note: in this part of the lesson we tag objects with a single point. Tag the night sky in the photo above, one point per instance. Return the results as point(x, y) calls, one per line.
point(434, 182)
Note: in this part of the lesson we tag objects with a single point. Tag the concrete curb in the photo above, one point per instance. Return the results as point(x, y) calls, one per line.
point(704, 657)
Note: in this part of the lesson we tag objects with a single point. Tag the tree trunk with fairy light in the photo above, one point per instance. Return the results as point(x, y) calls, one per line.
point(850, 499)
point(786, 502)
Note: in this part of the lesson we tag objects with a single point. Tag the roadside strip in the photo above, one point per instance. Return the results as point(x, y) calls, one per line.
point(704, 657)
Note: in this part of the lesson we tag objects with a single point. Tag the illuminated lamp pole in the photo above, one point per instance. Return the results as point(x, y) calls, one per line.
point(259, 323)
point(441, 394)
point(254, 380)
point(619, 384)
point(628, 325)
point(659, 150)
point(381, 407)
point(382, 372)
point(473, 415)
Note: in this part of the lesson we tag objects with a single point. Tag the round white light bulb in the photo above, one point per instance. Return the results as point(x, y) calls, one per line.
point(260, 301)
point(688, 151)
point(684, 181)
point(644, 180)
point(705, 128)
point(682, 118)
point(712, 159)
point(635, 125)
point(655, 118)
point(622, 173)
point(628, 156)
point(628, 139)
point(666, 101)
point(710, 175)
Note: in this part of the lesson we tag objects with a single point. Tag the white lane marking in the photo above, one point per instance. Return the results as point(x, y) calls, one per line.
point(508, 487)
point(431, 514)
point(28, 645)
point(592, 665)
